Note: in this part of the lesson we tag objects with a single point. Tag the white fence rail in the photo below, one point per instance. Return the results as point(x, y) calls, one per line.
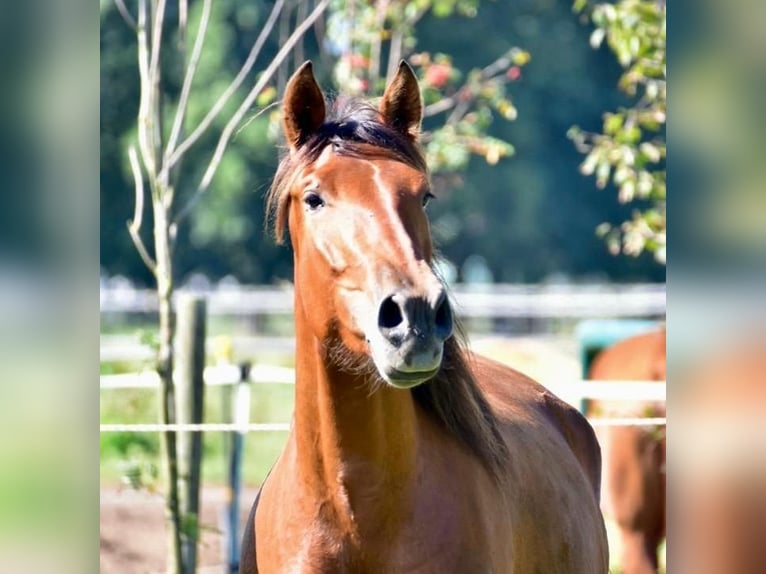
point(483, 301)
point(217, 375)
point(486, 301)
point(571, 391)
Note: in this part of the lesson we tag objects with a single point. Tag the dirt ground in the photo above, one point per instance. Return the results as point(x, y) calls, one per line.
point(133, 537)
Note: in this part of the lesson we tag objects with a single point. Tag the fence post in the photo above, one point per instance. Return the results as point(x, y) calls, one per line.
point(190, 365)
point(241, 417)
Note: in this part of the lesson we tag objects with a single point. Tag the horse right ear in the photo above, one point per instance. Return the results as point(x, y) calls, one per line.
point(401, 105)
point(303, 109)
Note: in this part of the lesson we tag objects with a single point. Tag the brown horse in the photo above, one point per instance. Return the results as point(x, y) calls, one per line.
point(406, 453)
point(718, 456)
point(634, 469)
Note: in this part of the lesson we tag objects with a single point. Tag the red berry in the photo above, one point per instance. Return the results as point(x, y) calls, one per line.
point(437, 75)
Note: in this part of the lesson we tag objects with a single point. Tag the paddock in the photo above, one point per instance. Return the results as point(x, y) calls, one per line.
point(256, 407)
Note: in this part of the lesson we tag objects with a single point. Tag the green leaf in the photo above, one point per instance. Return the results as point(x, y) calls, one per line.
point(190, 525)
point(597, 37)
point(589, 165)
point(650, 151)
point(266, 96)
point(612, 123)
point(579, 5)
point(443, 8)
point(631, 135)
point(602, 173)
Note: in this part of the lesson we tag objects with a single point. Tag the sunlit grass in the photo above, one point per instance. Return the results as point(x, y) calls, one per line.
point(130, 451)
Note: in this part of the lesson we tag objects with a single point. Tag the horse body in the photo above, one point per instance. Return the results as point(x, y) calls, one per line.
point(407, 454)
point(422, 504)
point(635, 457)
point(375, 491)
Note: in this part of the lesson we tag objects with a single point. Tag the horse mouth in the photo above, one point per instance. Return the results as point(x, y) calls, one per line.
point(408, 380)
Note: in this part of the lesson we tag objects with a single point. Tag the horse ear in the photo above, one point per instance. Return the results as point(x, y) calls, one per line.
point(401, 106)
point(303, 109)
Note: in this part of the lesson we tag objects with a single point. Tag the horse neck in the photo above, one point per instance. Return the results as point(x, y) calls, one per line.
point(352, 445)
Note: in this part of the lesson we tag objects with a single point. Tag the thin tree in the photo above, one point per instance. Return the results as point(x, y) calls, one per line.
point(156, 160)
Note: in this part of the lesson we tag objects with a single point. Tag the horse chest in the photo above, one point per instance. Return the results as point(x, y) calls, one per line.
point(433, 541)
point(327, 554)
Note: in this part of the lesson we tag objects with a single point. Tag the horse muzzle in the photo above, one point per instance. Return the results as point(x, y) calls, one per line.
point(408, 343)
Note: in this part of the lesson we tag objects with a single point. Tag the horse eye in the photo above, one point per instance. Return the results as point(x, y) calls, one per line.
point(427, 197)
point(313, 200)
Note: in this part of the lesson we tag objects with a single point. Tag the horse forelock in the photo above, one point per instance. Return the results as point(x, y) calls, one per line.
point(354, 128)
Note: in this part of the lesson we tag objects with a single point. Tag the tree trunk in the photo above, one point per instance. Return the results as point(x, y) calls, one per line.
point(190, 367)
point(167, 387)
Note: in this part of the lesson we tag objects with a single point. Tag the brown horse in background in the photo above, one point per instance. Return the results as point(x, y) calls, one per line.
point(634, 457)
point(407, 453)
point(718, 460)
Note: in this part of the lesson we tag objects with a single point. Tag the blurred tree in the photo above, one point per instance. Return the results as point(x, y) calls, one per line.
point(630, 151)
point(167, 110)
point(367, 40)
point(528, 217)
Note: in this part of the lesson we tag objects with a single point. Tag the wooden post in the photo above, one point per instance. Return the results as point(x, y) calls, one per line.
point(190, 384)
point(241, 417)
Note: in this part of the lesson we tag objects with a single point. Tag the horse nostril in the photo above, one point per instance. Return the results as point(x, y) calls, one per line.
point(390, 314)
point(443, 318)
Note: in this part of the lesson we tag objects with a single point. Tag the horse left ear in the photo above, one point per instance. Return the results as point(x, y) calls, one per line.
point(303, 109)
point(401, 106)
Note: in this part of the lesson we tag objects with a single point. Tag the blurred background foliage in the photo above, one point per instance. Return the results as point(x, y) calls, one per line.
point(526, 70)
point(630, 152)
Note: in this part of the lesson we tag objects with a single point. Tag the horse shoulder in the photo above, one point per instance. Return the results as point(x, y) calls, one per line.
point(580, 437)
point(554, 472)
point(516, 396)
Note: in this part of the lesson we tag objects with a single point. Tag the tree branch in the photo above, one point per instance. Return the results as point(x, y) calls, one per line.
point(397, 43)
point(154, 77)
point(283, 34)
point(183, 16)
point(144, 105)
point(394, 54)
point(375, 48)
point(221, 102)
point(265, 77)
point(463, 94)
point(320, 34)
point(438, 107)
point(183, 213)
point(301, 12)
point(123, 10)
point(159, 17)
point(460, 109)
point(191, 69)
point(134, 226)
point(258, 113)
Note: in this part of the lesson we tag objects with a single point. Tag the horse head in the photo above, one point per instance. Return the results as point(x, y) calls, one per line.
point(352, 191)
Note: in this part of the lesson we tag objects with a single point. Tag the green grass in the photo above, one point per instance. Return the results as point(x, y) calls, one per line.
point(146, 323)
point(130, 452)
point(140, 451)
